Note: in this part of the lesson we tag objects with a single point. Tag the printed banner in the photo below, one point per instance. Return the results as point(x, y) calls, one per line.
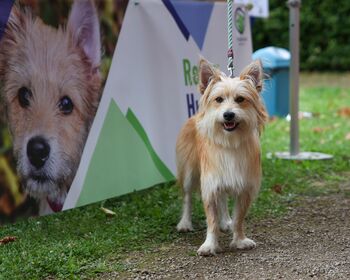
point(54, 61)
point(150, 92)
point(93, 96)
point(260, 8)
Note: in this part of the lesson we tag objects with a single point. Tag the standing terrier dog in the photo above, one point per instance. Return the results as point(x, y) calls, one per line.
point(219, 150)
point(51, 88)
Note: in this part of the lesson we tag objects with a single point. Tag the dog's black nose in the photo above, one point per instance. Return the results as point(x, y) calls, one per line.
point(229, 116)
point(38, 151)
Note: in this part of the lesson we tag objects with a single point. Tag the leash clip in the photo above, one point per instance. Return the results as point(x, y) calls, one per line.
point(230, 67)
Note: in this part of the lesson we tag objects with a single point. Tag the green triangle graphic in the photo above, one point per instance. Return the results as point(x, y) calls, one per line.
point(163, 169)
point(122, 162)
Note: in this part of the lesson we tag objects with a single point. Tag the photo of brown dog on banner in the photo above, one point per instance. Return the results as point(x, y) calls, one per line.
point(218, 150)
point(51, 89)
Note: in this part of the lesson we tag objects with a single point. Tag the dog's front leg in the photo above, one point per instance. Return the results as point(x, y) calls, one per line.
point(225, 219)
point(211, 244)
point(240, 241)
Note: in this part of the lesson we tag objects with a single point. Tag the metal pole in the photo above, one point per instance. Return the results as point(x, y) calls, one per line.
point(294, 11)
point(294, 153)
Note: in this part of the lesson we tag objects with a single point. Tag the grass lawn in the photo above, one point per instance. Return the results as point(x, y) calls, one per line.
point(84, 242)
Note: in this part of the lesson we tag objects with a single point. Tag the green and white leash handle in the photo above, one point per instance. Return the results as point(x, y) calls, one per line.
point(230, 54)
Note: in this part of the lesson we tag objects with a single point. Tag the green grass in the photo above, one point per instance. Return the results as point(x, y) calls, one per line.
point(84, 242)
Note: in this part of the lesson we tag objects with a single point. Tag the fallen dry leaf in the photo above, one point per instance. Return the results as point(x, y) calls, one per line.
point(277, 188)
point(7, 239)
point(318, 129)
point(108, 212)
point(344, 112)
point(347, 136)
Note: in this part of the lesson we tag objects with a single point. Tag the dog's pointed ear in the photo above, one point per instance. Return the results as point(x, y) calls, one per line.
point(16, 24)
point(207, 73)
point(254, 72)
point(14, 33)
point(84, 27)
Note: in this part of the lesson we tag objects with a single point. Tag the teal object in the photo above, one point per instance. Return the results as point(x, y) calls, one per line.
point(276, 62)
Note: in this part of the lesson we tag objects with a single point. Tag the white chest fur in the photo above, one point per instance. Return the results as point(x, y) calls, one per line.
point(232, 170)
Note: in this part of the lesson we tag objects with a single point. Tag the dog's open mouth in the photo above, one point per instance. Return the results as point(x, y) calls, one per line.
point(230, 126)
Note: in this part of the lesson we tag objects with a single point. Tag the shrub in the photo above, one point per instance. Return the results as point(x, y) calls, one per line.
point(324, 33)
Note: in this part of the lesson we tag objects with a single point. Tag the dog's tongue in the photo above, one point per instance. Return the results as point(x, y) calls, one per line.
point(55, 206)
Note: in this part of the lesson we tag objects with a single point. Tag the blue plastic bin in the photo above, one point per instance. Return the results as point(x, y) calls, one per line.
point(276, 63)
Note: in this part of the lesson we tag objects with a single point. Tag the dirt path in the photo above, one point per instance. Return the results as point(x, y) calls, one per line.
point(311, 241)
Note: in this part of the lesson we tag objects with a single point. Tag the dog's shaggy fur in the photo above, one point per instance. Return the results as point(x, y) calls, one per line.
point(51, 88)
point(219, 150)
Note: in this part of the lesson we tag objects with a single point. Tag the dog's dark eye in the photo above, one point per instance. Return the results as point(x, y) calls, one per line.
point(24, 96)
point(239, 99)
point(219, 99)
point(66, 105)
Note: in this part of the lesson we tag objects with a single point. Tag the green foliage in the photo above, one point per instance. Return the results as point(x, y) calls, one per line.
point(324, 33)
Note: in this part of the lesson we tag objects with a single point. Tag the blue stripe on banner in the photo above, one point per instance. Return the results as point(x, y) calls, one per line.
point(5, 9)
point(196, 17)
point(176, 17)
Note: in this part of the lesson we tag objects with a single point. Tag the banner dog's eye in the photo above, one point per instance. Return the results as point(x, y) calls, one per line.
point(66, 105)
point(24, 96)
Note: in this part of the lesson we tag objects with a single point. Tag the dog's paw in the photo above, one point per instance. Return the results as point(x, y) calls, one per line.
point(184, 226)
point(207, 250)
point(243, 244)
point(226, 225)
